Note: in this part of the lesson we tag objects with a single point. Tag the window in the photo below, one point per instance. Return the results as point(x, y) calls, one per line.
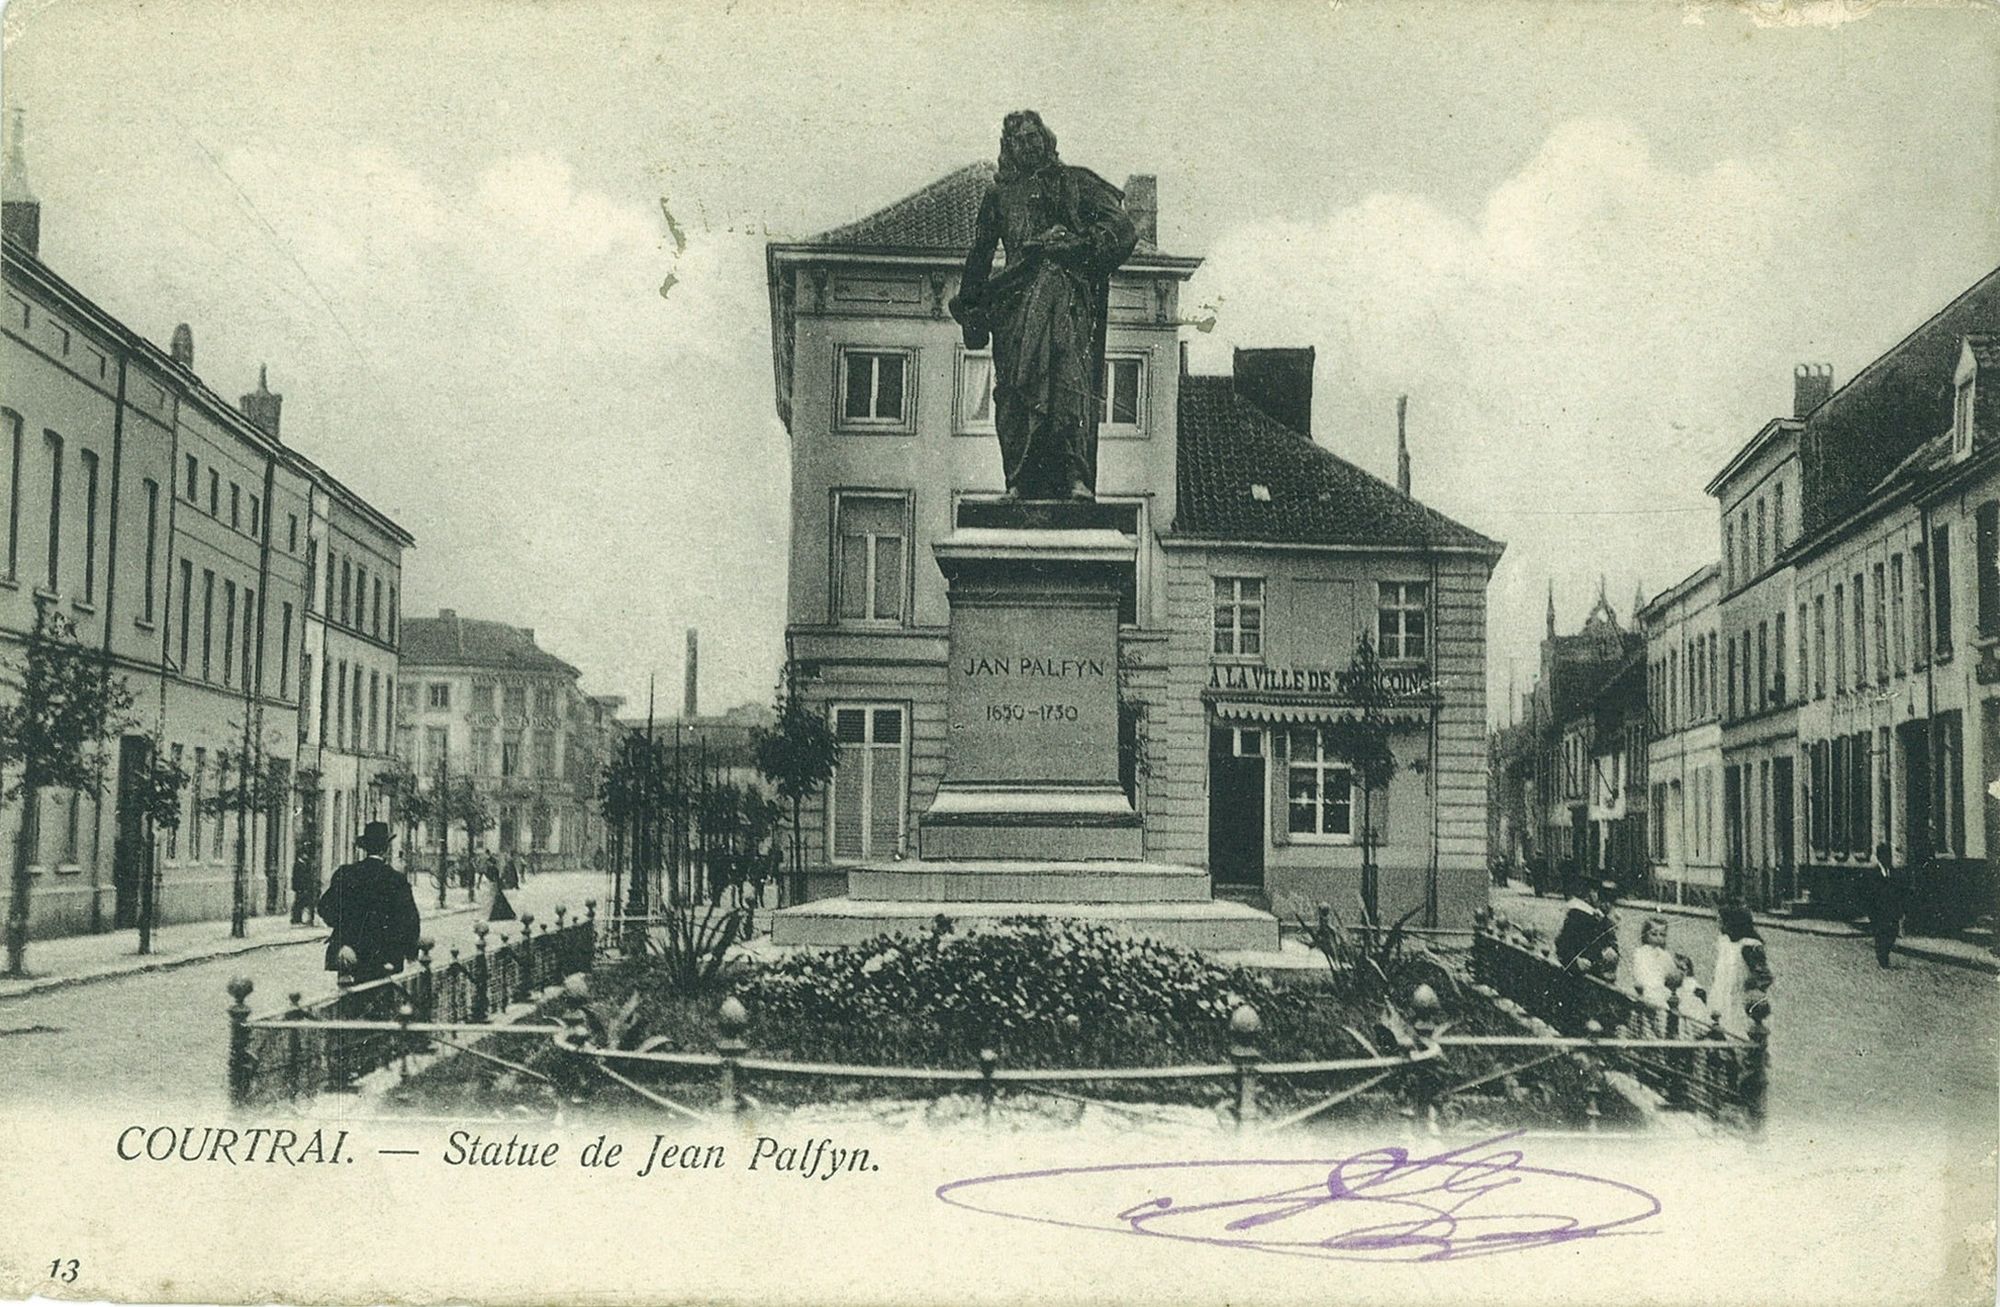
point(874, 389)
point(866, 801)
point(1763, 699)
point(392, 614)
point(1804, 682)
point(375, 613)
point(1731, 702)
point(193, 479)
point(256, 517)
point(1399, 620)
point(1729, 555)
point(54, 444)
point(871, 557)
point(1941, 588)
point(13, 493)
point(187, 600)
point(354, 735)
point(249, 636)
point(207, 621)
point(360, 598)
point(325, 696)
point(1819, 646)
point(1778, 658)
point(545, 753)
point(1760, 535)
point(1920, 619)
point(174, 831)
point(1840, 639)
point(1320, 792)
point(1239, 616)
point(1123, 385)
point(975, 394)
point(510, 753)
point(292, 537)
point(545, 701)
point(437, 695)
point(1898, 645)
point(482, 696)
point(327, 609)
point(374, 710)
point(88, 461)
point(214, 493)
point(152, 544)
point(1881, 626)
point(482, 751)
point(285, 653)
point(228, 630)
point(340, 704)
point(1986, 549)
point(514, 700)
point(1777, 519)
point(235, 505)
point(1860, 593)
point(346, 592)
point(1961, 421)
point(194, 804)
point(437, 748)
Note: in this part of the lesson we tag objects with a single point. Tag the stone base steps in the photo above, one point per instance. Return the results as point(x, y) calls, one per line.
point(1026, 880)
point(1210, 926)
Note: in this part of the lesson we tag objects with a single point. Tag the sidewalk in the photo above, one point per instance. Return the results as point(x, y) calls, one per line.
point(1951, 952)
point(82, 959)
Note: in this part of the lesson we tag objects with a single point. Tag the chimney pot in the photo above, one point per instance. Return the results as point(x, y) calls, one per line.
point(20, 211)
point(182, 348)
point(261, 406)
point(1402, 446)
point(1812, 385)
point(1279, 381)
point(1142, 205)
point(447, 614)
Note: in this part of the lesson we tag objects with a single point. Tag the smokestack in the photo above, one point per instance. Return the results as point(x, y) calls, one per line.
point(1279, 381)
point(20, 211)
point(182, 348)
point(1142, 205)
point(1402, 446)
point(689, 704)
point(1812, 384)
point(260, 405)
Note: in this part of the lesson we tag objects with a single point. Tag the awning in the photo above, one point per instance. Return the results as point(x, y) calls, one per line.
point(1304, 712)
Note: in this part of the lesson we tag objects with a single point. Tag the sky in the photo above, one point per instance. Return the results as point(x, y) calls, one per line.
point(505, 262)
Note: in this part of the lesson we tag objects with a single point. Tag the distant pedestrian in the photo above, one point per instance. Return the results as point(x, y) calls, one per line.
point(373, 914)
point(305, 888)
point(492, 868)
point(513, 880)
point(1885, 904)
point(1742, 970)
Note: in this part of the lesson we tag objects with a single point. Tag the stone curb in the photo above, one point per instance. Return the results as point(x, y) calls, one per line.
point(43, 984)
point(1989, 965)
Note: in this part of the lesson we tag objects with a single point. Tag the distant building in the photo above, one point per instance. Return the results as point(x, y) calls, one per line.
point(482, 699)
point(1685, 753)
point(174, 530)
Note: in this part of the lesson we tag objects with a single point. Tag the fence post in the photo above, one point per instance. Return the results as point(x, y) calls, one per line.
point(482, 1001)
point(454, 1006)
point(731, 1020)
point(1424, 1003)
point(589, 933)
point(989, 1062)
point(1244, 1027)
point(240, 1064)
point(1593, 1087)
point(563, 956)
point(294, 1045)
point(524, 965)
point(427, 985)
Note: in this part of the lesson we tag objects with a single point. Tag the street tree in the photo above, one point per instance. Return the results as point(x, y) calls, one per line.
point(250, 781)
point(154, 790)
point(797, 755)
point(409, 800)
point(1361, 740)
point(51, 737)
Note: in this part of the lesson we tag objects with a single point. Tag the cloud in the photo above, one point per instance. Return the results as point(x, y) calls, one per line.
point(1581, 351)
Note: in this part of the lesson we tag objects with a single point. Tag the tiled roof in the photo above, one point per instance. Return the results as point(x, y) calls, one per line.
point(941, 217)
point(468, 642)
point(1228, 445)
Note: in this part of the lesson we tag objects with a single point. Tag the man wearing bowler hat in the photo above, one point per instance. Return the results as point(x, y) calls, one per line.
point(372, 911)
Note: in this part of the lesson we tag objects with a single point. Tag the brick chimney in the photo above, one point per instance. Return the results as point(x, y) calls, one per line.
point(181, 350)
point(1142, 205)
point(260, 405)
point(1279, 381)
point(20, 211)
point(1402, 446)
point(691, 685)
point(447, 614)
point(1812, 383)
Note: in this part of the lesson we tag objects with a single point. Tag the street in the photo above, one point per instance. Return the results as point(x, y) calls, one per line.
point(160, 1037)
point(1849, 1041)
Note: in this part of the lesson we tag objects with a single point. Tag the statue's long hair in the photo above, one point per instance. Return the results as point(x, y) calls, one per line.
point(1011, 166)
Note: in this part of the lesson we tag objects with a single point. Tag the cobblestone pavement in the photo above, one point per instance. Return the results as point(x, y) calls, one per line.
point(1849, 1041)
point(161, 1037)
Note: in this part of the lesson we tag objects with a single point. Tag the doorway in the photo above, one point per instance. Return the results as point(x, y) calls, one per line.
point(1236, 806)
point(1781, 825)
point(130, 862)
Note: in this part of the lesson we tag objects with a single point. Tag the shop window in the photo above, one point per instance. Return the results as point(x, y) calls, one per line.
point(1320, 792)
point(867, 799)
point(1239, 616)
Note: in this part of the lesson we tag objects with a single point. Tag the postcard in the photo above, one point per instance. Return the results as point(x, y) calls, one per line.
point(909, 652)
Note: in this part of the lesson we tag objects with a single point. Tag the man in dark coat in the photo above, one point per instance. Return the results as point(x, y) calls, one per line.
point(1587, 930)
point(372, 911)
point(1885, 905)
point(305, 888)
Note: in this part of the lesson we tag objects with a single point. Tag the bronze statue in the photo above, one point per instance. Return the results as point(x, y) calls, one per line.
point(1065, 233)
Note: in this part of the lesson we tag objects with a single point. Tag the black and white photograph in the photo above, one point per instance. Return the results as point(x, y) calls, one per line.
point(902, 652)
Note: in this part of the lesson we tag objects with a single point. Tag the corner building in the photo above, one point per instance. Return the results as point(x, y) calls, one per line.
point(1261, 560)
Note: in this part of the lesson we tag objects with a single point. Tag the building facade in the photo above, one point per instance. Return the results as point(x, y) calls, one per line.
point(1262, 559)
point(481, 700)
point(1685, 749)
point(171, 528)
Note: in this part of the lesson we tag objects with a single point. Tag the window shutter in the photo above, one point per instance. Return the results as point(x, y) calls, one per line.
point(853, 576)
point(885, 799)
point(847, 813)
point(1279, 749)
point(888, 577)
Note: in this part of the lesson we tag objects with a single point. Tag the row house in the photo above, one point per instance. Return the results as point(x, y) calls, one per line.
point(172, 529)
point(1261, 561)
point(1684, 751)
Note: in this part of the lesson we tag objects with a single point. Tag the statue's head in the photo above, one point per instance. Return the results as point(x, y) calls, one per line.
point(1026, 144)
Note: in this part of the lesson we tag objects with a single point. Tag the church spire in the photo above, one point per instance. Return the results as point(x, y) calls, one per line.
point(1551, 620)
point(20, 211)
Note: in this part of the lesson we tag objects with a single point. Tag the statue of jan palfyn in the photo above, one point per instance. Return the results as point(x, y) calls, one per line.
point(1065, 232)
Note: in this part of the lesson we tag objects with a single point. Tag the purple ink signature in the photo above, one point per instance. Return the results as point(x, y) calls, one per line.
point(1477, 1200)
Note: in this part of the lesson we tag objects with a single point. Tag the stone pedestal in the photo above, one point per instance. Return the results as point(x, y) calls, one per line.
point(1030, 818)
